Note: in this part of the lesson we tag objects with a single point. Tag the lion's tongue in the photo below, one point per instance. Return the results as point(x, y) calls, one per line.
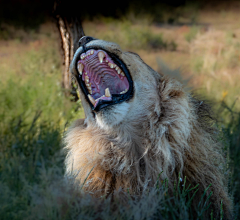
point(100, 73)
point(108, 80)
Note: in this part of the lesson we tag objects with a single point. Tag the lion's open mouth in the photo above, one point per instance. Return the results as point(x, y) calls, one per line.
point(103, 78)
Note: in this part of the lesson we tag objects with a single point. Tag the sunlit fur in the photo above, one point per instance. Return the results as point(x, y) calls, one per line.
point(162, 129)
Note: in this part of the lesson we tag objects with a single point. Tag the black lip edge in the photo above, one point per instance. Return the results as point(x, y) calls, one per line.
point(116, 98)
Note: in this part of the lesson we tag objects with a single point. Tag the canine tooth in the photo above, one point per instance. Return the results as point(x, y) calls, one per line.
point(80, 68)
point(101, 55)
point(92, 100)
point(107, 92)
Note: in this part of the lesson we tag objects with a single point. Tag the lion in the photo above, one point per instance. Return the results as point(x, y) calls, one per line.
point(139, 124)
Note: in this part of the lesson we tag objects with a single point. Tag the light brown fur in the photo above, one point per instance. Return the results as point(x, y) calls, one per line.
point(163, 130)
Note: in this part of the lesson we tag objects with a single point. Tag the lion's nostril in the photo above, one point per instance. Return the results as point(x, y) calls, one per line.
point(84, 40)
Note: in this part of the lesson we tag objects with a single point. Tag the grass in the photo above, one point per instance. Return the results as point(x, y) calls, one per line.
point(191, 35)
point(130, 35)
point(215, 61)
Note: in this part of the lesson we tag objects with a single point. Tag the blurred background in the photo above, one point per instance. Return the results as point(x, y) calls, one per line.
point(197, 42)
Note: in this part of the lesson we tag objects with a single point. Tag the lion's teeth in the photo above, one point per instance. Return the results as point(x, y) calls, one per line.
point(82, 57)
point(101, 55)
point(107, 92)
point(118, 71)
point(80, 68)
point(122, 73)
point(89, 88)
point(111, 65)
point(86, 79)
point(92, 100)
point(124, 91)
point(92, 52)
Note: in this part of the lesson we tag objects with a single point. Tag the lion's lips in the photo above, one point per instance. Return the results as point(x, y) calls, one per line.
point(101, 76)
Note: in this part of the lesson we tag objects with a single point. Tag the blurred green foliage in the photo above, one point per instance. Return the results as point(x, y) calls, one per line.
point(191, 35)
point(135, 34)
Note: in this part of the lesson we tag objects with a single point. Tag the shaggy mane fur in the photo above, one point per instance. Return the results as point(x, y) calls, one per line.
point(174, 136)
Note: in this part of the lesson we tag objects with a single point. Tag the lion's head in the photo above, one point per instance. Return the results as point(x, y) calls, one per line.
point(112, 86)
point(137, 125)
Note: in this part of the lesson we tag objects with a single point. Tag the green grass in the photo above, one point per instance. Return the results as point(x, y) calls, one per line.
point(215, 63)
point(33, 115)
point(232, 138)
point(131, 35)
point(191, 35)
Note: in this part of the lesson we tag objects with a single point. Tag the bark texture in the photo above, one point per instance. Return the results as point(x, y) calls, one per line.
point(70, 28)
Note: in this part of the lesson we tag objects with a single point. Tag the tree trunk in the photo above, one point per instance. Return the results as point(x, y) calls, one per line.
point(70, 28)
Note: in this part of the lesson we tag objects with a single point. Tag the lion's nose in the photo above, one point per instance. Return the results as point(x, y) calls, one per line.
point(84, 40)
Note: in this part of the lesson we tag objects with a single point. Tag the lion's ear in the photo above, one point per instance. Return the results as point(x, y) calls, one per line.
point(175, 108)
point(170, 88)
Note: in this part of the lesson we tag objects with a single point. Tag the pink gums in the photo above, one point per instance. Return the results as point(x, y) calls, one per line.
point(101, 76)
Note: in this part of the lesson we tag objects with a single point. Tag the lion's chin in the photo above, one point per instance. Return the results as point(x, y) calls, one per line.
point(103, 77)
point(112, 116)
